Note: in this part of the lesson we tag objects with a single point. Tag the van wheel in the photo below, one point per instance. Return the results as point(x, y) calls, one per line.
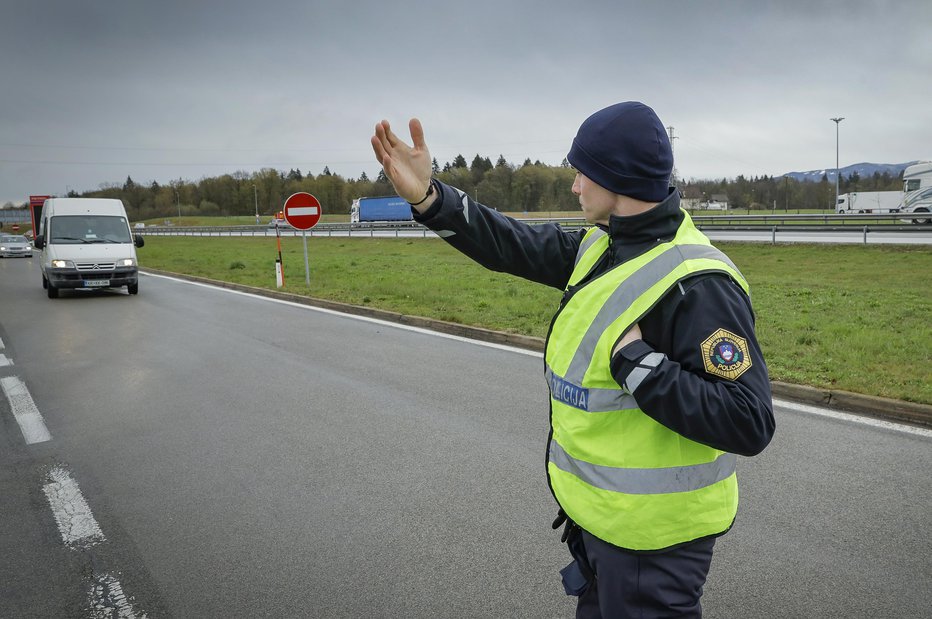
point(45, 282)
point(921, 221)
point(52, 290)
point(133, 288)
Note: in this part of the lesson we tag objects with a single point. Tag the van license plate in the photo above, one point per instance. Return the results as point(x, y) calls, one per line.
point(96, 283)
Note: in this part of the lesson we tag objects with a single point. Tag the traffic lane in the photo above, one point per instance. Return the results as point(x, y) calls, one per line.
point(43, 577)
point(395, 468)
point(772, 558)
point(834, 521)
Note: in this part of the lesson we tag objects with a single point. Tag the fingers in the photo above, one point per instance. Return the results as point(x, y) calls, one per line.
point(382, 141)
point(378, 148)
point(417, 134)
point(390, 136)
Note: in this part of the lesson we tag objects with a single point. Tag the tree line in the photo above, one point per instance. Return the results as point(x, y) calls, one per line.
point(531, 187)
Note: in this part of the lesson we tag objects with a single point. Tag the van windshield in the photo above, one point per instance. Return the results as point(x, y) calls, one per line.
point(76, 229)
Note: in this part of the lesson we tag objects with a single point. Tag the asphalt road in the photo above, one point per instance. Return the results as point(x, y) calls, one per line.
point(243, 457)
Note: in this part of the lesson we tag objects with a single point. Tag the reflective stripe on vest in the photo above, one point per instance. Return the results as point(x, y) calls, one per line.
point(619, 474)
point(593, 236)
point(646, 481)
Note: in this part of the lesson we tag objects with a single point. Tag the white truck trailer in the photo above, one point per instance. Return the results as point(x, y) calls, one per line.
point(869, 202)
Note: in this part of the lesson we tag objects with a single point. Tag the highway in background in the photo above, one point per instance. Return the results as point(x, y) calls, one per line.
point(900, 235)
point(244, 457)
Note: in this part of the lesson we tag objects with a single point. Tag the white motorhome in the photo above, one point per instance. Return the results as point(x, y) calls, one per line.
point(86, 243)
point(917, 190)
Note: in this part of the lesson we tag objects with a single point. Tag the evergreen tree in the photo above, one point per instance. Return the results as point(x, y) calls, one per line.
point(501, 163)
point(326, 171)
point(459, 162)
point(363, 178)
point(434, 168)
point(478, 168)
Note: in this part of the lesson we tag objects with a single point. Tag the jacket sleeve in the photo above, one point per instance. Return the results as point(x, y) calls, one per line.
point(541, 253)
point(711, 385)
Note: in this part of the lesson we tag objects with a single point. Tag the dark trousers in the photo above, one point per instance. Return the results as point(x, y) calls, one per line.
point(642, 585)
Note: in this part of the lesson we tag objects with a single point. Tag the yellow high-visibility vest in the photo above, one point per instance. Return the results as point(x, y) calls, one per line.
point(618, 473)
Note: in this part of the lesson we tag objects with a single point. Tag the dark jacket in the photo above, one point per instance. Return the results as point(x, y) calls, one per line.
point(731, 415)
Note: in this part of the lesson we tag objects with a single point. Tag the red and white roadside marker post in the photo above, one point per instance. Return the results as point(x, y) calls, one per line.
point(302, 211)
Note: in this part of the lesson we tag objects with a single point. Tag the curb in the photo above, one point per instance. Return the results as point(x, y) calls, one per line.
point(872, 406)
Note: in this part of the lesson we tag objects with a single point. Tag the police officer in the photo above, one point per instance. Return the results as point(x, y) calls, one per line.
point(656, 378)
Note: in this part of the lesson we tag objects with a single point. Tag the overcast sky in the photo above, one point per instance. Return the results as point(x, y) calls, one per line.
point(95, 91)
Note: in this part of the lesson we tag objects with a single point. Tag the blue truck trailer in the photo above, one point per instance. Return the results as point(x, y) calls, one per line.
point(387, 208)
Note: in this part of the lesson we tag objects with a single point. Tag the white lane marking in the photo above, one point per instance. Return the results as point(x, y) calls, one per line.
point(108, 600)
point(24, 410)
point(533, 353)
point(4, 361)
point(867, 421)
point(72, 513)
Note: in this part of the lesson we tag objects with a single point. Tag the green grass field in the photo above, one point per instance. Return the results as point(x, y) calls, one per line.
point(855, 318)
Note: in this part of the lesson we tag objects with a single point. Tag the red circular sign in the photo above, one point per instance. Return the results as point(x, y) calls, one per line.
point(15, 227)
point(302, 210)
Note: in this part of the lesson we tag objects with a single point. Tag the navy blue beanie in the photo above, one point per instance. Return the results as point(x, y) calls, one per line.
point(625, 149)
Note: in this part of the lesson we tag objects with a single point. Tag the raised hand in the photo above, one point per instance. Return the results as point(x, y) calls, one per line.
point(408, 168)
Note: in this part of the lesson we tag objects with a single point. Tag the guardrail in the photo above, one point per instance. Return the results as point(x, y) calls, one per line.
point(771, 222)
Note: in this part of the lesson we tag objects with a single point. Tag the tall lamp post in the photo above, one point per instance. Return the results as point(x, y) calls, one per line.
point(837, 122)
point(255, 193)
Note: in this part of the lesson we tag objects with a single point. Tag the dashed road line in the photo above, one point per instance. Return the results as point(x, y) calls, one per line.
point(72, 513)
point(108, 601)
point(80, 531)
point(24, 410)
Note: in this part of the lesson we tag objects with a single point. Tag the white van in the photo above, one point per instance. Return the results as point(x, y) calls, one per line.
point(87, 243)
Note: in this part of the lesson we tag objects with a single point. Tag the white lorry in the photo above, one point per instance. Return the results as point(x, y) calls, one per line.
point(86, 243)
point(869, 202)
point(917, 191)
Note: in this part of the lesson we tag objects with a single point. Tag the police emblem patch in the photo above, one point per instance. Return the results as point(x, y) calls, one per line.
point(725, 354)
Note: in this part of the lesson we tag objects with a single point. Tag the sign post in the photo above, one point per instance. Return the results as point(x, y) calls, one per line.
point(302, 211)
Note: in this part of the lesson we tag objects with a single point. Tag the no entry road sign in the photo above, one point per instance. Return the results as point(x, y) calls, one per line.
point(302, 210)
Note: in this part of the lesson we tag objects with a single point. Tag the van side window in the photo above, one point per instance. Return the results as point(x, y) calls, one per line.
point(912, 184)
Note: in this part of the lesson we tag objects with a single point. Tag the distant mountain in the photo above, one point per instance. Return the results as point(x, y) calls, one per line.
point(864, 170)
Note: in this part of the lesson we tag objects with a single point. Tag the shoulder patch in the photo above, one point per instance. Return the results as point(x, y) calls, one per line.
point(725, 354)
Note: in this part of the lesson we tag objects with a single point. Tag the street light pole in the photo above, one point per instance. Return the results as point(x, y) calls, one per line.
point(837, 122)
point(255, 193)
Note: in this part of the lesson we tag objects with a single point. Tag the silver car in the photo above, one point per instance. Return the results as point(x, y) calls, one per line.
point(15, 245)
